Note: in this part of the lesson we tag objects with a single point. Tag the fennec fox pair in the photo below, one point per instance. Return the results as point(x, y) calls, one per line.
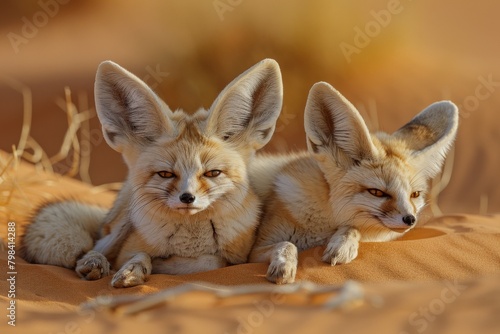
point(187, 202)
point(350, 186)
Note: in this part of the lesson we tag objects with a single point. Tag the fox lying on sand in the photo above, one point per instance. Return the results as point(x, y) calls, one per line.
point(187, 202)
point(350, 186)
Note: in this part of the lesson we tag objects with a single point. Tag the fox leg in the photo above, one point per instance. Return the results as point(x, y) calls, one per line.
point(96, 263)
point(282, 258)
point(133, 272)
point(178, 265)
point(343, 246)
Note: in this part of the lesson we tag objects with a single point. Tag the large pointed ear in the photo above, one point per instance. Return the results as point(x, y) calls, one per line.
point(246, 111)
point(129, 111)
point(429, 135)
point(334, 127)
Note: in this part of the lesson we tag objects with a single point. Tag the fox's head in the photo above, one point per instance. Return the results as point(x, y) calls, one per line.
point(185, 163)
point(377, 182)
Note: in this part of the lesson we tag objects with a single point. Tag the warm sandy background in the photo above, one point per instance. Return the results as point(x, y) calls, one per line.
point(425, 51)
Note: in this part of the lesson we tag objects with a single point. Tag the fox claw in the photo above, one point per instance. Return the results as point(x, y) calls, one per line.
point(93, 266)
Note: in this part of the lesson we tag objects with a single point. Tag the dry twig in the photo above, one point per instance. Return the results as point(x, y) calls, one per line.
point(342, 296)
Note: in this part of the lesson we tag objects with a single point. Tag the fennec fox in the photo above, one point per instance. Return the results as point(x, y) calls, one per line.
point(186, 202)
point(350, 186)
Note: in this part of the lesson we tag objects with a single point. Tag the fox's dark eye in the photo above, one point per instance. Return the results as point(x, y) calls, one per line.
point(165, 174)
point(212, 173)
point(377, 192)
point(415, 194)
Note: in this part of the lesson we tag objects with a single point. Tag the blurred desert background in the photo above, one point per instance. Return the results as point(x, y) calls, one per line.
point(389, 58)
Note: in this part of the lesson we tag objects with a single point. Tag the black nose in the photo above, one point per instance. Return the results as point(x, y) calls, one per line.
point(187, 198)
point(409, 220)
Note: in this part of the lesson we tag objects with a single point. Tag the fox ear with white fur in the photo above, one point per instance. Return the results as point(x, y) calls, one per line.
point(130, 112)
point(334, 127)
point(246, 111)
point(430, 135)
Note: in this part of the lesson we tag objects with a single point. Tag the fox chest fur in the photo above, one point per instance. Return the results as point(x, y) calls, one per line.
point(224, 230)
point(196, 235)
point(182, 239)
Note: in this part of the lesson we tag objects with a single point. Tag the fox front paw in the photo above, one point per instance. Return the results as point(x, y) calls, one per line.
point(341, 249)
point(129, 275)
point(282, 271)
point(283, 266)
point(93, 266)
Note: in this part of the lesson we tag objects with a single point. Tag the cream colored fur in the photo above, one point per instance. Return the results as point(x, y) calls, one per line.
point(187, 201)
point(57, 238)
point(351, 186)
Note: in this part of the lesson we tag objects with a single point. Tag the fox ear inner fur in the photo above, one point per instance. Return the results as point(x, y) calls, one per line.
point(334, 127)
point(129, 111)
point(430, 134)
point(246, 111)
